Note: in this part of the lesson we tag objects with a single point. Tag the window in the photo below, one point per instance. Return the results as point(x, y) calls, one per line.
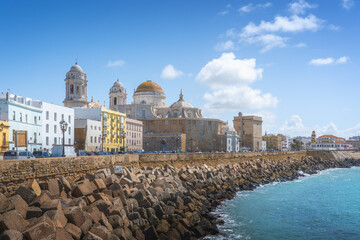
point(91, 127)
point(55, 116)
point(54, 128)
point(91, 139)
point(4, 139)
point(55, 140)
point(62, 116)
point(115, 101)
point(99, 140)
point(69, 141)
point(69, 119)
point(47, 140)
point(35, 120)
point(14, 115)
point(20, 117)
point(143, 113)
point(71, 89)
point(166, 122)
point(69, 130)
point(26, 118)
point(94, 139)
point(47, 115)
point(77, 90)
point(201, 122)
point(47, 128)
point(95, 127)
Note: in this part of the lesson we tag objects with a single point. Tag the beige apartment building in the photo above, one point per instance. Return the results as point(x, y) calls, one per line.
point(273, 142)
point(134, 135)
point(249, 128)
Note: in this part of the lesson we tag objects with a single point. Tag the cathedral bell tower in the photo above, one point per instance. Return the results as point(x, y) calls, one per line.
point(117, 96)
point(76, 88)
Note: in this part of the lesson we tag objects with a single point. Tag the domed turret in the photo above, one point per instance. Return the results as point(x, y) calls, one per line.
point(76, 87)
point(150, 93)
point(228, 130)
point(149, 86)
point(181, 103)
point(117, 95)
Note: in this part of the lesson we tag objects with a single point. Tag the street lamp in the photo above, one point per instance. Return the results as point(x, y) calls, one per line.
point(122, 136)
point(63, 127)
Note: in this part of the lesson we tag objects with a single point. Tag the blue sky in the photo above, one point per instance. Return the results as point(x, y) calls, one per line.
point(293, 62)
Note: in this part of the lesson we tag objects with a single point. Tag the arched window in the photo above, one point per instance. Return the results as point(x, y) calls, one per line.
point(143, 102)
point(72, 89)
point(115, 101)
point(77, 89)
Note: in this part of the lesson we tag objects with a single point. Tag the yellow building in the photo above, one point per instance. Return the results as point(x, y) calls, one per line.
point(113, 130)
point(273, 142)
point(4, 136)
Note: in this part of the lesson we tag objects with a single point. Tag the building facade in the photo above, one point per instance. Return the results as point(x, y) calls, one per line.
point(113, 127)
point(134, 135)
point(76, 88)
point(4, 137)
point(51, 132)
point(330, 142)
point(249, 128)
point(87, 135)
point(174, 142)
point(25, 115)
point(273, 142)
point(232, 140)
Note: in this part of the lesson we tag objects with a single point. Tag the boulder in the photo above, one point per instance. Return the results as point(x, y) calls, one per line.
point(91, 236)
point(14, 202)
point(101, 232)
point(43, 230)
point(53, 187)
point(62, 234)
point(11, 235)
point(150, 233)
point(33, 212)
point(13, 220)
point(29, 191)
point(57, 217)
point(54, 204)
point(75, 215)
point(74, 231)
point(83, 188)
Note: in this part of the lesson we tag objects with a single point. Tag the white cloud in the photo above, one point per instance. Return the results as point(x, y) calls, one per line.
point(284, 24)
point(223, 12)
point(224, 46)
point(117, 63)
point(228, 79)
point(268, 41)
point(301, 45)
point(299, 7)
point(169, 72)
point(295, 127)
point(333, 27)
point(347, 4)
point(269, 119)
point(328, 61)
point(251, 7)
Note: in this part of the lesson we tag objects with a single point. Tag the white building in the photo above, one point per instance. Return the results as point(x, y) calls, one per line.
point(88, 135)
point(263, 146)
point(231, 138)
point(330, 142)
point(134, 135)
point(23, 114)
point(51, 132)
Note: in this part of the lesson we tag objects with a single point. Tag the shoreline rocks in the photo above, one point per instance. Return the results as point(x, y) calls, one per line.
point(146, 203)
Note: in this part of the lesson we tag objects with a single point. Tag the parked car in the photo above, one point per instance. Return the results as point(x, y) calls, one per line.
point(41, 154)
point(20, 154)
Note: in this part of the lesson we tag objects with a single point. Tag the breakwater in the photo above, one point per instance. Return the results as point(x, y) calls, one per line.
point(165, 202)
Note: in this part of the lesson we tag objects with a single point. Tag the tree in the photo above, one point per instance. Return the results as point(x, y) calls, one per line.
point(296, 145)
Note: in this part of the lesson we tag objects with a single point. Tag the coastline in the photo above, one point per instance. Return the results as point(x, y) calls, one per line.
point(145, 203)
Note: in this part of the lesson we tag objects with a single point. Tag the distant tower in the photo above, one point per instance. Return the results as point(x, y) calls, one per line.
point(313, 137)
point(76, 88)
point(117, 95)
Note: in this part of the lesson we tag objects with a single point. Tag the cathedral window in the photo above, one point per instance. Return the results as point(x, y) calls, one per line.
point(72, 89)
point(115, 101)
point(77, 89)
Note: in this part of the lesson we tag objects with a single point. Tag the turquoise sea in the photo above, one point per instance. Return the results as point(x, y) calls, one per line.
point(321, 206)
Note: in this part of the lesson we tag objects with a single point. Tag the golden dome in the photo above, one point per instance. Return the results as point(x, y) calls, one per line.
point(149, 86)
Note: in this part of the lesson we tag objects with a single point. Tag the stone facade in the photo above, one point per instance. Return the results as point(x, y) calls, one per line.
point(134, 135)
point(202, 134)
point(273, 142)
point(249, 128)
point(174, 142)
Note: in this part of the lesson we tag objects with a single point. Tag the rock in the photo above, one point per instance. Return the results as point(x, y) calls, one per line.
point(27, 193)
point(116, 221)
point(83, 188)
point(150, 233)
point(163, 226)
point(43, 230)
point(33, 212)
point(105, 222)
point(75, 215)
point(51, 205)
point(57, 217)
point(91, 236)
point(40, 199)
point(11, 235)
point(13, 220)
point(62, 234)
point(158, 211)
point(14, 202)
point(102, 206)
point(73, 230)
point(66, 185)
point(138, 234)
point(134, 216)
point(99, 183)
point(53, 187)
point(85, 227)
point(101, 231)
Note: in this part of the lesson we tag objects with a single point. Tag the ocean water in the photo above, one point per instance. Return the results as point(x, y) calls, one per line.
point(321, 206)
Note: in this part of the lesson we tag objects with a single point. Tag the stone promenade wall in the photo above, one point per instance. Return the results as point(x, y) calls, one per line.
point(15, 172)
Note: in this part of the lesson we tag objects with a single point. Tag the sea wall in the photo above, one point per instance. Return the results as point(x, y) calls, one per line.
point(15, 172)
point(147, 203)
